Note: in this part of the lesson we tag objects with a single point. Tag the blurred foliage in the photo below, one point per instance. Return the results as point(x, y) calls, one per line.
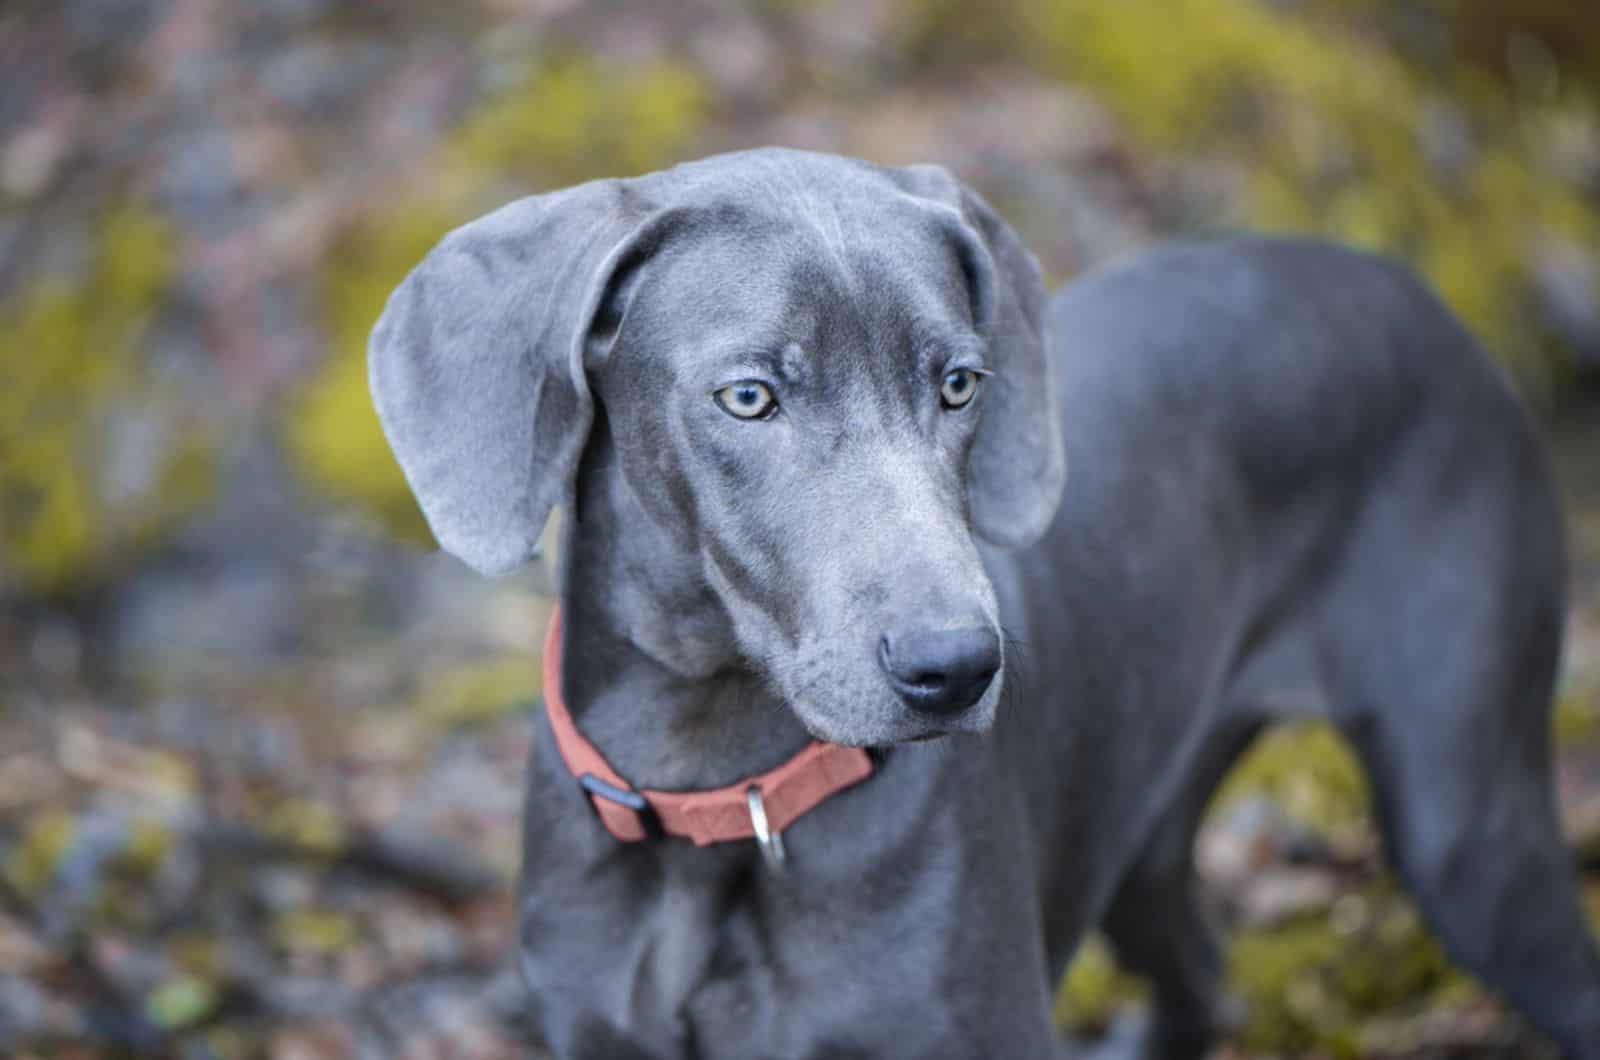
point(333, 430)
point(313, 931)
point(31, 864)
point(1575, 721)
point(182, 1002)
point(1310, 984)
point(478, 691)
point(1095, 989)
point(1455, 133)
point(72, 372)
point(1331, 126)
point(1307, 769)
point(574, 119)
point(308, 824)
point(566, 120)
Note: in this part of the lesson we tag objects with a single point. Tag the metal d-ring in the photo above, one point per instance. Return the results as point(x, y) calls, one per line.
point(771, 841)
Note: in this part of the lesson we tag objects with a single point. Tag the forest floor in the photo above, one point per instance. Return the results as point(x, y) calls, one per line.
point(320, 863)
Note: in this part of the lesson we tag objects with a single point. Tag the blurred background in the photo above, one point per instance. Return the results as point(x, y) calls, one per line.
point(260, 750)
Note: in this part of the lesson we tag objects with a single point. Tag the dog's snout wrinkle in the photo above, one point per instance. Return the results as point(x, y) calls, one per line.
point(940, 671)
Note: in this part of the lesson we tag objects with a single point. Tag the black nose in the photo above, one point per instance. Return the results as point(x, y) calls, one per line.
point(940, 671)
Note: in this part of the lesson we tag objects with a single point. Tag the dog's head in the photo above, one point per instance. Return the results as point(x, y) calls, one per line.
point(822, 375)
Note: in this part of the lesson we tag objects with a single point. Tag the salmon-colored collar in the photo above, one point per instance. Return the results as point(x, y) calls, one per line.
point(758, 807)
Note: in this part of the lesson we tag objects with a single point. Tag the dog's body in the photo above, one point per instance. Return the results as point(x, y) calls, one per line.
point(1296, 486)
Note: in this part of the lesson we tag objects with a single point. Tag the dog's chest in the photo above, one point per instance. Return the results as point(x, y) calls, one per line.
point(734, 968)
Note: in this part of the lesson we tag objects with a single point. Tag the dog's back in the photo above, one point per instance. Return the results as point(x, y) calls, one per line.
point(1299, 485)
point(1280, 415)
point(1297, 363)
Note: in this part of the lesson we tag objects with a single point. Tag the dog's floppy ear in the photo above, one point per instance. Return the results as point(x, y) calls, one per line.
point(1017, 468)
point(477, 365)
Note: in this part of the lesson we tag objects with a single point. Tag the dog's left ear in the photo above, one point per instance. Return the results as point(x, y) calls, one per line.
point(1018, 464)
point(478, 364)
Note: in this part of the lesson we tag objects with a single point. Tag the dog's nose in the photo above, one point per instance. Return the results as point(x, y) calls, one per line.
point(940, 671)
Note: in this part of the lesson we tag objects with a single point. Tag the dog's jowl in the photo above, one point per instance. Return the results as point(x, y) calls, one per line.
point(908, 621)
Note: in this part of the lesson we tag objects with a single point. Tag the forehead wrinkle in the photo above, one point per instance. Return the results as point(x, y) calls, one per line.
point(788, 290)
point(799, 196)
point(917, 334)
point(880, 347)
point(826, 220)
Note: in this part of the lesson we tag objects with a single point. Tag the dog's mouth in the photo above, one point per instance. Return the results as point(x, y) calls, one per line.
point(879, 741)
point(859, 713)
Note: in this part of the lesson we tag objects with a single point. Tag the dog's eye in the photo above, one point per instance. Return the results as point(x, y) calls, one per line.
point(748, 400)
point(959, 387)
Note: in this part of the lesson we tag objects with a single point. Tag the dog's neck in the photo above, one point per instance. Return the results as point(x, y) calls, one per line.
point(651, 670)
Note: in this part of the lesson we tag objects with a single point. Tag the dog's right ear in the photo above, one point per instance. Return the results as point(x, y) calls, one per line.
point(477, 365)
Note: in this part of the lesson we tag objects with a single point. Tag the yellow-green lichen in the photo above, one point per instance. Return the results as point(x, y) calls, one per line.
point(1095, 990)
point(71, 364)
point(314, 931)
point(308, 824)
point(1323, 984)
point(566, 120)
point(1576, 720)
point(479, 691)
point(1310, 986)
point(181, 1002)
point(31, 865)
point(333, 430)
point(574, 119)
point(1331, 130)
point(1308, 770)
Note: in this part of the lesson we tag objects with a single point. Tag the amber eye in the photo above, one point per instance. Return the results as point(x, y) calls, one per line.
point(748, 400)
point(959, 387)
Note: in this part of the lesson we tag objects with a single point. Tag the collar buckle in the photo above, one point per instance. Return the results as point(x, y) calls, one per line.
point(631, 800)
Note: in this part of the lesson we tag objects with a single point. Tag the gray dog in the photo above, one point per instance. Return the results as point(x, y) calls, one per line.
point(811, 419)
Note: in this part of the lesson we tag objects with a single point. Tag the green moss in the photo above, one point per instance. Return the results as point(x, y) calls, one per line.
point(1095, 990)
point(1591, 904)
point(574, 119)
point(31, 865)
point(567, 120)
point(1307, 769)
point(309, 824)
point(149, 842)
point(478, 691)
point(1312, 985)
point(1317, 985)
point(182, 1002)
point(70, 360)
point(314, 931)
point(332, 431)
point(1576, 721)
point(1328, 126)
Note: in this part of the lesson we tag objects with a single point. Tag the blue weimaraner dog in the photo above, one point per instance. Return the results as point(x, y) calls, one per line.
point(812, 420)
